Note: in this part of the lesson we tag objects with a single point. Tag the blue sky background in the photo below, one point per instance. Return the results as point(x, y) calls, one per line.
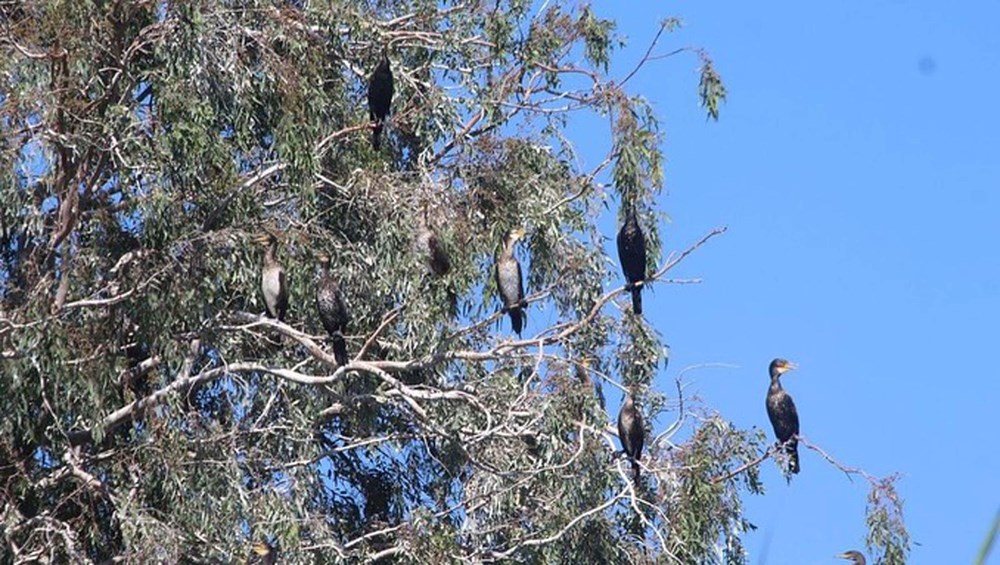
point(856, 165)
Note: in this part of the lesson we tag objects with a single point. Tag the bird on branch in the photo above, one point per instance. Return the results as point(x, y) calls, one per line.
point(781, 411)
point(379, 98)
point(510, 282)
point(632, 255)
point(273, 284)
point(332, 309)
point(631, 431)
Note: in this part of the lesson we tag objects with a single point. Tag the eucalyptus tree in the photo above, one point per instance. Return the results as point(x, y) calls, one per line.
point(153, 414)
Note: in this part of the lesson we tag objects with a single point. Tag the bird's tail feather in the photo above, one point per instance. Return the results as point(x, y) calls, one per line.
point(637, 299)
point(377, 135)
point(792, 449)
point(516, 319)
point(635, 472)
point(340, 348)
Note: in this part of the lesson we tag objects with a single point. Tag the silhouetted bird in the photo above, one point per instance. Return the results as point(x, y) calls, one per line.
point(332, 309)
point(632, 255)
point(379, 98)
point(510, 283)
point(854, 557)
point(631, 432)
point(781, 411)
point(273, 284)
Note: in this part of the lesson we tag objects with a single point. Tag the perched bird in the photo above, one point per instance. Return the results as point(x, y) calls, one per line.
point(583, 374)
point(854, 557)
point(268, 554)
point(781, 411)
point(332, 309)
point(428, 241)
point(631, 432)
point(379, 98)
point(510, 283)
point(632, 255)
point(273, 284)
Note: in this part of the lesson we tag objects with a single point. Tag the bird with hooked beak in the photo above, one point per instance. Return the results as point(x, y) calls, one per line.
point(782, 413)
point(509, 280)
point(273, 284)
point(854, 557)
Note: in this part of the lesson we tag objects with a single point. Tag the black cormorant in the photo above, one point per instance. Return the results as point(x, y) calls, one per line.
point(332, 309)
point(268, 554)
point(781, 411)
point(854, 557)
point(273, 283)
point(510, 283)
point(631, 432)
point(379, 98)
point(632, 254)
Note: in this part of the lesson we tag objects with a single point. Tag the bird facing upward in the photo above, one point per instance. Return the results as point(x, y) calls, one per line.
point(510, 282)
point(273, 284)
point(632, 255)
point(379, 98)
point(782, 413)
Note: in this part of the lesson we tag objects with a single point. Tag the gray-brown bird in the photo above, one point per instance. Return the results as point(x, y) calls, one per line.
point(854, 557)
point(631, 432)
point(273, 284)
point(332, 309)
point(510, 282)
point(782, 413)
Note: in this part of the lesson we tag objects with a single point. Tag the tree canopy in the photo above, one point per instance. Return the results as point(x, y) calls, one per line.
point(152, 414)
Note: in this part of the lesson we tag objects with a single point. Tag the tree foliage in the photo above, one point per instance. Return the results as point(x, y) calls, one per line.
point(152, 415)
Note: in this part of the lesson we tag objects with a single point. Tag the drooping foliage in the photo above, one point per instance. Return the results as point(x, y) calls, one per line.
point(152, 414)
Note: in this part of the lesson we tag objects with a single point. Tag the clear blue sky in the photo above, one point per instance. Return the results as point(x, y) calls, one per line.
point(857, 166)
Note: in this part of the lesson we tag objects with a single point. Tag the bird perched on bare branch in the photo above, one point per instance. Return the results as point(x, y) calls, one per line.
point(631, 432)
point(781, 411)
point(379, 98)
point(273, 284)
point(332, 309)
point(510, 282)
point(632, 255)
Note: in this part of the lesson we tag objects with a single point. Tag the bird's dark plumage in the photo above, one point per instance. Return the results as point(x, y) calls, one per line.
point(379, 98)
point(273, 284)
point(632, 255)
point(438, 258)
point(509, 280)
point(782, 413)
point(332, 310)
point(631, 432)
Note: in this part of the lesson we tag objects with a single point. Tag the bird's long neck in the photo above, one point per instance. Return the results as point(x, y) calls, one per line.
point(271, 256)
point(507, 250)
point(630, 218)
point(776, 381)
